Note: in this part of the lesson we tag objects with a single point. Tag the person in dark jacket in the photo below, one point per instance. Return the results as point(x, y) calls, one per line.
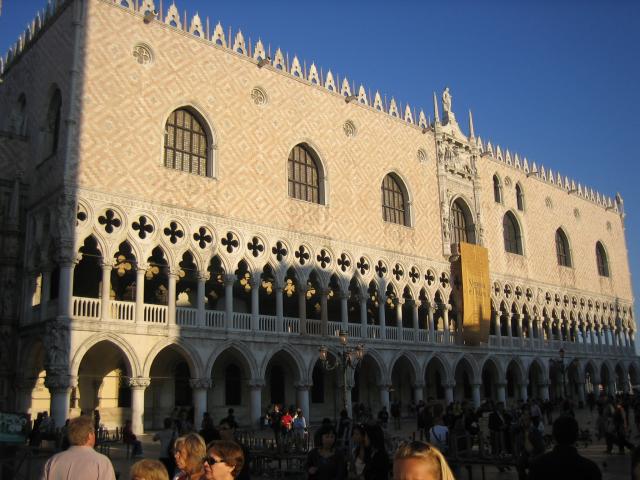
point(377, 464)
point(325, 462)
point(564, 461)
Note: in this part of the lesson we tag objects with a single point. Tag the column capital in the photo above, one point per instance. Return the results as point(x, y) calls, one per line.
point(60, 383)
point(302, 386)
point(324, 291)
point(447, 307)
point(399, 301)
point(419, 385)
point(229, 279)
point(255, 281)
point(384, 386)
point(256, 384)
point(107, 264)
point(173, 272)
point(139, 383)
point(200, 383)
point(142, 267)
point(203, 275)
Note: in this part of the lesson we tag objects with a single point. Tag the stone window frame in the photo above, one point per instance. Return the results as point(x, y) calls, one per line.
point(563, 249)
point(602, 260)
point(312, 163)
point(207, 133)
point(395, 200)
point(512, 234)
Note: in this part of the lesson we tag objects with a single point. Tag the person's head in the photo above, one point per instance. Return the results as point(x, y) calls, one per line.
point(80, 431)
point(420, 461)
point(228, 457)
point(167, 423)
point(565, 430)
point(326, 437)
point(230, 411)
point(374, 437)
point(227, 430)
point(357, 435)
point(189, 451)
point(299, 413)
point(148, 470)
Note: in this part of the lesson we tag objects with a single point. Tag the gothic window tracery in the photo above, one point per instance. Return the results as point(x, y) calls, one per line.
point(562, 249)
point(497, 189)
point(304, 175)
point(461, 225)
point(186, 146)
point(52, 127)
point(394, 202)
point(601, 260)
point(519, 197)
point(512, 235)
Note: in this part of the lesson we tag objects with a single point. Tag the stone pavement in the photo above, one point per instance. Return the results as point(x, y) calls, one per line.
point(613, 467)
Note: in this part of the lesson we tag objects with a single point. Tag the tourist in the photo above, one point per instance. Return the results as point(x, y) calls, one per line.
point(419, 460)
point(225, 461)
point(80, 460)
point(230, 419)
point(148, 470)
point(325, 462)
point(166, 438)
point(208, 431)
point(439, 432)
point(299, 429)
point(227, 430)
point(344, 428)
point(395, 414)
point(564, 461)
point(189, 451)
point(383, 417)
point(377, 464)
point(357, 458)
point(499, 422)
point(529, 443)
point(129, 438)
point(620, 430)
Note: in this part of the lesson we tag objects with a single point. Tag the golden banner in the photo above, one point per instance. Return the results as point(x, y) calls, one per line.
point(476, 293)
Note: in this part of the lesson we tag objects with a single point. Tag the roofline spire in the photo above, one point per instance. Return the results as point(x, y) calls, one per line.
point(436, 114)
point(471, 132)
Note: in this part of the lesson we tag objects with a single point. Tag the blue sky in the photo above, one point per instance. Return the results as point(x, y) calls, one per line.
point(555, 81)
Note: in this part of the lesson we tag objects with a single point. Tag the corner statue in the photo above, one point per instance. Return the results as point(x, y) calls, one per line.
point(446, 101)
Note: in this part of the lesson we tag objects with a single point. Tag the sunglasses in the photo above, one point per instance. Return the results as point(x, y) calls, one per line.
point(210, 460)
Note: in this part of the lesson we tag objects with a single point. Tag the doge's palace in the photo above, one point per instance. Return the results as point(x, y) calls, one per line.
point(188, 217)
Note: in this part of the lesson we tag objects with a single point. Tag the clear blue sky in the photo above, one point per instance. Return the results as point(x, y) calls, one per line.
point(556, 81)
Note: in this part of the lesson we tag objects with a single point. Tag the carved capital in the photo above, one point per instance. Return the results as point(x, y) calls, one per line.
point(300, 387)
point(201, 383)
point(139, 382)
point(60, 383)
point(229, 279)
point(203, 276)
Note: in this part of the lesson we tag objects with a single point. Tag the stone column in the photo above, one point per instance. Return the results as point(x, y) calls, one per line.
point(399, 303)
point(518, 318)
point(475, 394)
point(277, 290)
point(448, 392)
point(59, 388)
point(66, 287)
point(501, 392)
point(138, 385)
point(523, 392)
point(382, 300)
point(415, 317)
point(384, 395)
point(105, 293)
point(200, 387)
point(255, 302)
point(544, 391)
point(509, 328)
point(418, 392)
point(344, 310)
point(363, 316)
point(171, 297)
point(432, 327)
point(45, 293)
point(302, 397)
point(200, 301)
point(302, 308)
point(140, 272)
point(581, 397)
point(229, 280)
point(445, 318)
point(324, 312)
point(498, 323)
point(255, 402)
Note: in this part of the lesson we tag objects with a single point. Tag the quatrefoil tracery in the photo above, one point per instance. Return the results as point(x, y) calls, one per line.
point(143, 227)
point(343, 262)
point(381, 269)
point(109, 220)
point(174, 232)
point(414, 275)
point(255, 246)
point(302, 255)
point(203, 237)
point(362, 265)
point(279, 251)
point(230, 242)
point(397, 271)
point(323, 258)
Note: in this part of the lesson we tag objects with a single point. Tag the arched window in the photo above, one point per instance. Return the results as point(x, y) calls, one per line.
point(186, 146)
point(461, 226)
point(562, 249)
point(232, 385)
point(304, 175)
point(52, 128)
point(512, 236)
point(601, 260)
point(497, 189)
point(394, 202)
point(519, 197)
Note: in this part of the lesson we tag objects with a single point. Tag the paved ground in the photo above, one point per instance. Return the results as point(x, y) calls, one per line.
point(614, 467)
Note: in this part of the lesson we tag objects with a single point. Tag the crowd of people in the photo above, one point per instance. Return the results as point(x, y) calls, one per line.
point(359, 448)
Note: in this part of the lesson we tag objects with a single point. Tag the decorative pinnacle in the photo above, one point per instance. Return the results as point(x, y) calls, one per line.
point(435, 109)
point(471, 132)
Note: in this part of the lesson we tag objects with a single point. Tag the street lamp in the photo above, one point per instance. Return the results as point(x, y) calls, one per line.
point(348, 358)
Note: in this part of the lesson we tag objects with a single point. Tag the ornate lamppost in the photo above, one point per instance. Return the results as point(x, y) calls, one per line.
point(349, 359)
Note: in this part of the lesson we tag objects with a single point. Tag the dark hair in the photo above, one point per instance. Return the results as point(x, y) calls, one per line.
point(230, 452)
point(376, 436)
point(323, 430)
point(565, 430)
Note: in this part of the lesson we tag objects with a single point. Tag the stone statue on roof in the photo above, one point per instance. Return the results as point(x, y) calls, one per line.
point(446, 101)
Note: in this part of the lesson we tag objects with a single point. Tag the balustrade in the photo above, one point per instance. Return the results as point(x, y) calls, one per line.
point(241, 321)
point(155, 313)
point(123, 310)
point(187, 317)
point(86, 308)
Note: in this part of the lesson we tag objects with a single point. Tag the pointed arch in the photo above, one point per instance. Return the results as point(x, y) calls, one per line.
point(462, 223)
point(189, 354)
point(563, 251)
point(298, 362)
point(128, 352)
point(512, 233)
point(306, 174)
point(396, 200)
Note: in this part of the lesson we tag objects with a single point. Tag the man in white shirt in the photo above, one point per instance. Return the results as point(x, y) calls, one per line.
point(80, 461)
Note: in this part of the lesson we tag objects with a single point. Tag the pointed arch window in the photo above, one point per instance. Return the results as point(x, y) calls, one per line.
point(52, 127)
point(305, 175)
point(562, 249)
point(186, 145)
point(512, 235)
point(601, 260)
point(462, 229)
point(497, 189)
point(394, 200)
point(519, 197)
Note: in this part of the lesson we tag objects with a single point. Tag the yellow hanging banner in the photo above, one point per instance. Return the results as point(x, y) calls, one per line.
point(476, 293)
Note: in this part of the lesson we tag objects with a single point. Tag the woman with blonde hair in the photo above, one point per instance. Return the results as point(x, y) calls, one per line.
point(189, 451)
point(148, 470)
point(224, 460)
point(420, 461)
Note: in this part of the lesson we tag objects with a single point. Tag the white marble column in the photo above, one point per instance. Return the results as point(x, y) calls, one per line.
point(382, 299)
point(445, 318)
point(66, 287)
point(229, 280)
point(60, 389)
point(448, 392)
point(418, 392)
point(518, 318)
point(384, 395)
point(277, 291)
point(255, 403)
point(31, 283)
point(501, 392)
point(255, 301)
point(172, 277)
point(302, 308)
point(399, 304)
point(200, 301)
point(432, 327)
point(138, 385)
point(105, 292)
point(475, 394)
point(324, 312)
point(344, 310)
point(523, 392)
point(302, 397)
point(415, 317)
point(363, 315)
point(200, 388)
point(509, 327)
point(140, 272)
